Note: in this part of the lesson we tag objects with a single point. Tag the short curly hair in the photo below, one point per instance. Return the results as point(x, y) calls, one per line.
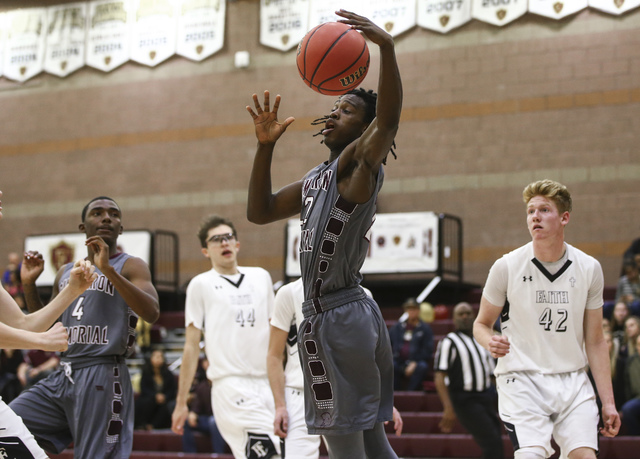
point(213, 221)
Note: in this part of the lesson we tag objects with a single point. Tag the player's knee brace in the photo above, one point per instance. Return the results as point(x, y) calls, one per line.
point(530, 452)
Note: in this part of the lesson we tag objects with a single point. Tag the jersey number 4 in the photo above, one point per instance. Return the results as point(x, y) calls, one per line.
point(78, 310)
point(546, 319)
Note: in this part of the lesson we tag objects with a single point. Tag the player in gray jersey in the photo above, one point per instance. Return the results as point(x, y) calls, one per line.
point(90, 400)
point(344, 344)
point(20, 331)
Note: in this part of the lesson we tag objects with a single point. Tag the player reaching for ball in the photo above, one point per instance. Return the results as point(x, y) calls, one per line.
point(343, 341)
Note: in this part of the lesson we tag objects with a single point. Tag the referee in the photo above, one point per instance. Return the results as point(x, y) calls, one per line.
point(463, 371)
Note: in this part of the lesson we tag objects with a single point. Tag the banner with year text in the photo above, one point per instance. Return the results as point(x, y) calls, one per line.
point(498, 12)
point(109, 34)
point(66, 38)
point(25, 43)
point(443, 15)
point(394, 16)
point(200, 28)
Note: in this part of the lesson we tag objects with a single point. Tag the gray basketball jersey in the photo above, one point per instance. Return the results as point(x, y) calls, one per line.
point(99, 322)
point(335, 233)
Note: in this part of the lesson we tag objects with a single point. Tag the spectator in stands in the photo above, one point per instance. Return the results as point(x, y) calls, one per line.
point(620, 314)
point(628, 290)
point(631, 408)
point(200, 418)
point(631, 332)
point(412, 344)
point(632, 253)
point(37, 365)
point(10, 386)
point(12, 266)
point(466, 391)
point(157, 396)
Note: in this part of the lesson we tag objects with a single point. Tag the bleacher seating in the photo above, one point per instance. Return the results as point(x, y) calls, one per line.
point(421, 411)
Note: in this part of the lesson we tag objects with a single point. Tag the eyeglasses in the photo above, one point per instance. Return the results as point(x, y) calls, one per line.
point(218, 239)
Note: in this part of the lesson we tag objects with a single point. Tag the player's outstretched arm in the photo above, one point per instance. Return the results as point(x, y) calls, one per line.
point(376, 141)
point(31, 268)
point(264, 206)
point(133, 283)
point(81, 277)
point(190, 356)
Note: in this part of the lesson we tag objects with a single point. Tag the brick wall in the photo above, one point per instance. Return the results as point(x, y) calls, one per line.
point(486, 111)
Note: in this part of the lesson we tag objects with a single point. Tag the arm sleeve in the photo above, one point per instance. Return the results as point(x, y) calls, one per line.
point(495, 289)
point(194, 305)
point(283, 311)
point(594, 296)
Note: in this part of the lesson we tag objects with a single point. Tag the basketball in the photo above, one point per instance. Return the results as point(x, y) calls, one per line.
point(333, 58)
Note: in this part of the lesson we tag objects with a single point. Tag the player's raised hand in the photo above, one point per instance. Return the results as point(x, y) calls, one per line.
point(370, 30)
point(55, 339)
point(100, 250)
point(32, 266)
point(499, 346)
point(82, 275)
point(268, 128)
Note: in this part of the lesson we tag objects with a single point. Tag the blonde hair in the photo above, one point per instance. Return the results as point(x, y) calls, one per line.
point(549, 189)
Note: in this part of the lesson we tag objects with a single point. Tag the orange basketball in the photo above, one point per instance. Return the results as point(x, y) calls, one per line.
point(333, 58)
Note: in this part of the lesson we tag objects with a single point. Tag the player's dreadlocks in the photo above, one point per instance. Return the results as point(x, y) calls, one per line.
point(370, 99)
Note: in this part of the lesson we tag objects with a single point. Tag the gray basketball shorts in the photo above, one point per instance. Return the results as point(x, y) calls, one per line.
point(347, 363)
point(90, 404)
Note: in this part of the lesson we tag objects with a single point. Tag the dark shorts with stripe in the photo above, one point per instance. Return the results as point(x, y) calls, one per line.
point(347, 363)
point(95, 411)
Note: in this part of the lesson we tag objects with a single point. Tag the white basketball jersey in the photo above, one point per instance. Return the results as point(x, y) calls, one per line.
point(543, 313)
point(234, 313)
point(287, 316)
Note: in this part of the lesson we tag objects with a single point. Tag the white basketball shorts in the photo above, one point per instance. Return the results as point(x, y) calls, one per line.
point(535, 407)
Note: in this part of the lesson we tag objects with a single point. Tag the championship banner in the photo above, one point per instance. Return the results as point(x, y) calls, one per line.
point(25, 42)
point(200, 28)
point(443, 15)
point(404, 242)
point(283, 23)
point(498, 12)
point(154, 30)
point(66, 38)
point(60, 249)
point(321, 11)
point(394, 16)
point(556, 9)
point(616, 7)
point(109, 34)
point(3, 27)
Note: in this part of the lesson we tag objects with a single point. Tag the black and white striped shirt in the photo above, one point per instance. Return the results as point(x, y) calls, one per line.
point(468, 365)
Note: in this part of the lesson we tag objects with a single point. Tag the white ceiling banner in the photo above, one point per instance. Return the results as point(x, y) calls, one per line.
point(200, 28)
point(25, 43)
point(321, 11)
point(443, 15)
point(3, 28)
point(283, 24)
point(394, 16)
point(154, 30)
point(498, 12)
point(109, 34)
point(556, 9)
point(66, 38)
point(616, 7)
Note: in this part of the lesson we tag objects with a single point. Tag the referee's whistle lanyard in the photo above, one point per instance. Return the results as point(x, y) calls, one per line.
point(67, 371)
